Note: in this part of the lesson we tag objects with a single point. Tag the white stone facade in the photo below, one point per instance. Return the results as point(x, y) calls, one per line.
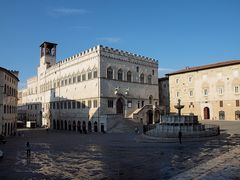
point(81, 90)
point(8, 101)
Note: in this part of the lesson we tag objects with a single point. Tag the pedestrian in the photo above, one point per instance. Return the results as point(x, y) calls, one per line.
point(28, 148)
point(180, 137)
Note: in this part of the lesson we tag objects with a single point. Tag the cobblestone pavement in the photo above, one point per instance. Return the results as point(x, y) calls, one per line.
point(68, 155)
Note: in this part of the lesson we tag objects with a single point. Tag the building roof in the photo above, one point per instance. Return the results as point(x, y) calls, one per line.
point(204, 67)
point(9, 72)
point(47, 43)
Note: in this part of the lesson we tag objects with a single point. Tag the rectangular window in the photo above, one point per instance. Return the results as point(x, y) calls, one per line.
point(73, 104)
point(53, 105)
point(83, 77)
point(65, 104)
point(74, 79)
point(62, 82)
point(190, 79)
point(191, 93)
point(57, 105)
point(89, 75)
point(78, 105)
point(205, 92)
point(66, 82)
point(237, 103)
point(178, 94)
point(83, 104)
point(177, 81)
point(221, 103)
point(220, 91)
point(69, 105)
point(79, 78)
point(94, 74)
point(62, 104)
point(110, 103)
point(142, 103)
point(236, 89)
point(138, 104)
point(70, 81)
point(89, 103)
point(95, 103)
point(129, 104)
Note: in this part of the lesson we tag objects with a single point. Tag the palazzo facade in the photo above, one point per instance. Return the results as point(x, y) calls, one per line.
point(8, 101)
point(210, 91)
point(84, 90)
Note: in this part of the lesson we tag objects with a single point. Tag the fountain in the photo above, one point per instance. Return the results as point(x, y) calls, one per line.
point(189, 125)
point(179, 107)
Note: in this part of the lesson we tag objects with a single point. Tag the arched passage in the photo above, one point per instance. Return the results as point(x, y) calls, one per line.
point(89, 126)
point(119, 106)
point(149, 117)
point(95, 127)
point(74, 126)
point(58, 125)
point(69, 126)
point(54, 124)
point(61, 124)
point(65, 125)
point(79, 126)
point(206, 113)
point(84, 127)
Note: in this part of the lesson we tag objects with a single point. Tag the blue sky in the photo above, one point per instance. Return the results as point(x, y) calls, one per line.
point(178, 33)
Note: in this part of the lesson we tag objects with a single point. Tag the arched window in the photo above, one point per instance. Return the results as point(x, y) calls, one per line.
point(109, 73)
point(142, 78)
point(149, 79)
point(150, 99)
point(120, 75)
point(129, 76)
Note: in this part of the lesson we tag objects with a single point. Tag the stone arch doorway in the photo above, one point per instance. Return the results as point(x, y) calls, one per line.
point(206, 113)
point(95, 127)
point(149, 117)
point(119, 106)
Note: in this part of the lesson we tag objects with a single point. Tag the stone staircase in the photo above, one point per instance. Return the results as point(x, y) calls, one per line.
point(124, 125)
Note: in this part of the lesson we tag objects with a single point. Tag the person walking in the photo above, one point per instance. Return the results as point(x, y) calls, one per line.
point(180, 137)
point(28, 148)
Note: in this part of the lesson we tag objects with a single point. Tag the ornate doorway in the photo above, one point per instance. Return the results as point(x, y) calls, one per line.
point(206, 113)
point(119, 106)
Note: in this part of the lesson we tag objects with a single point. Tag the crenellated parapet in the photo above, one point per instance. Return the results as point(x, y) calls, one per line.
point(107, 52)
point(127, 56)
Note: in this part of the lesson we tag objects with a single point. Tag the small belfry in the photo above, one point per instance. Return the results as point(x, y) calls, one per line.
point(48, 54)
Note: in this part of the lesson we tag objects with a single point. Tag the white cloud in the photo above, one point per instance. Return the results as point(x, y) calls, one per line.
point(109, 39)
point(67, 11)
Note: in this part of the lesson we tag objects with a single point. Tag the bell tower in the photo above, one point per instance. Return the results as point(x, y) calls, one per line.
point(47, 54)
